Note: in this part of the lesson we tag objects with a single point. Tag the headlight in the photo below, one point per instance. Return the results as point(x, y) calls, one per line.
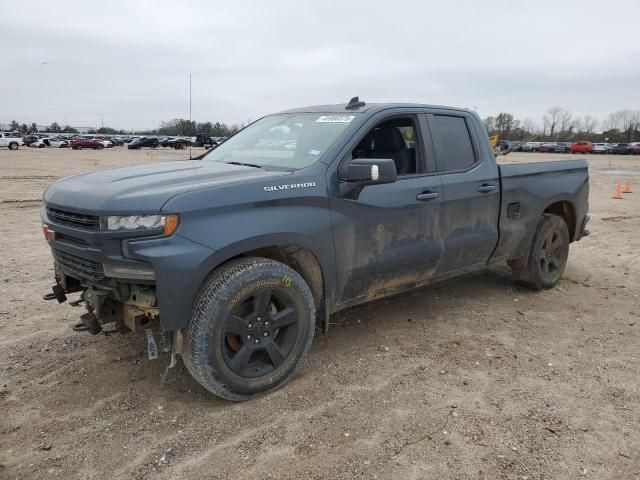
point(169, 223)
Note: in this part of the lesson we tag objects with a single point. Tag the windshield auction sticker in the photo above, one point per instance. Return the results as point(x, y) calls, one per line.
point(335, 119)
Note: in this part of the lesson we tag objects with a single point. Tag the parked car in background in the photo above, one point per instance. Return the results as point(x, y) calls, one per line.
point(164, 141)
point(582, 147)
point(57, 142)
point(601, 148)
point(503, 145)
point(179, 143)
point(143, 142)
point(10, 140)
point(80, 143)
point(547, 147)
point(622, 149)
point(117, 141)
point(104, 141)
point(203, 140)
point(635, 148)
point(531, 146)
point(29, 139)
point(563, 147)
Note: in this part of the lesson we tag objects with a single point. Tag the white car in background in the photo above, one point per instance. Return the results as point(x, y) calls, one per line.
point(10, 140)
point(106, 143)
point(601, 148)
point(56, 142)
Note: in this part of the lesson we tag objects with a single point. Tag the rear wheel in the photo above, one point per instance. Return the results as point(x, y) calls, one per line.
point(252, 324)
point(13, 146)
point(546, 261)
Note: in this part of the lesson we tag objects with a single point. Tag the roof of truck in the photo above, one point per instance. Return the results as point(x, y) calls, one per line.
point(342, 108)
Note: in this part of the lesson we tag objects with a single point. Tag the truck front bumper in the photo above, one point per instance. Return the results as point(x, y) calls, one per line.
point(116, 264)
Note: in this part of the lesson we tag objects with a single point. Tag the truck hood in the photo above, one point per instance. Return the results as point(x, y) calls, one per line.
point(145, 188)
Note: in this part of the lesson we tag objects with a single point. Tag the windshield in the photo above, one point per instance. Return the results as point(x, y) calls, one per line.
point(289, 141)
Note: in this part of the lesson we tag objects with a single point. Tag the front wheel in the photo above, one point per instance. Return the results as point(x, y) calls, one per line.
point(546, 261)
point(252, 324)
point(13, 146)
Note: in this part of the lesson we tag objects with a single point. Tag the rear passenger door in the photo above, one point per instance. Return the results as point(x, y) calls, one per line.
point(471, 190)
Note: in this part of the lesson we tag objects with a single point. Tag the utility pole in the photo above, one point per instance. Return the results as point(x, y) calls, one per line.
point(190, 122)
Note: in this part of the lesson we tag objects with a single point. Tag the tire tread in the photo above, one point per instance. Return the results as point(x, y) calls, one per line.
point(193, 356)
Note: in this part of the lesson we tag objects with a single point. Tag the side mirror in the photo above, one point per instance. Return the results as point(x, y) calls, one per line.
point(372, 171)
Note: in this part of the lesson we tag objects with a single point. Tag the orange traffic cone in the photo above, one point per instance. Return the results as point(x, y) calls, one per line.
point(627, 187)
point(618, 193)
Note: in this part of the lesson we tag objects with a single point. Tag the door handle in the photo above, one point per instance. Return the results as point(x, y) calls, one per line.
point(486, 188)
point(425, 197)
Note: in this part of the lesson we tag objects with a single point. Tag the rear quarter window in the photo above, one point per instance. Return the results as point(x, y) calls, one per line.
point(452, 143)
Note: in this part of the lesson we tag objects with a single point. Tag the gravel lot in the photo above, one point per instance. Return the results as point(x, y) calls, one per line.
point(472, 378)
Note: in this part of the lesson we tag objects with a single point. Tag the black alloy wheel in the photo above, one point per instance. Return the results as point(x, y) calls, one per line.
point(548, 256)
point(553, 254)
point(252, 325)
point(260, 333)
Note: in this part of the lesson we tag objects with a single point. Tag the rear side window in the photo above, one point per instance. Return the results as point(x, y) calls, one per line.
point(452, 143)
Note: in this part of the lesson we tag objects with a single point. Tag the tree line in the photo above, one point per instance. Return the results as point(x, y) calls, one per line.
point(559, 124)
point(177, 127)
point(33, 128)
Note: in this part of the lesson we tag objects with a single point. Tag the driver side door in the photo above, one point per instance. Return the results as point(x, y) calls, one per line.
point(388, 236)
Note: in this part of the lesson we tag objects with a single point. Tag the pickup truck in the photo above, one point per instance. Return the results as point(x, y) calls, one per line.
point(234, 258)
point(10, 140)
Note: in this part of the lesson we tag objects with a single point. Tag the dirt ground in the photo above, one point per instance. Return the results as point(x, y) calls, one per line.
point(473, 378)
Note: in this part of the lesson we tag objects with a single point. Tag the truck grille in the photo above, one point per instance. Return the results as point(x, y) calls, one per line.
point(74, 219)
point(78, 242)
point(84, 268)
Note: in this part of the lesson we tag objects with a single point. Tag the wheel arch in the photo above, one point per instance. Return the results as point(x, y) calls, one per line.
point(299, 258)
point(567, 211)
point(313, 262)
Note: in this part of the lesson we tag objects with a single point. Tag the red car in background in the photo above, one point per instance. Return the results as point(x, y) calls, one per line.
point(581, 147)
point(80, 143)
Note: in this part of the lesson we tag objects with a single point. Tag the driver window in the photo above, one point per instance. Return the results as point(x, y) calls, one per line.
point(396, 139)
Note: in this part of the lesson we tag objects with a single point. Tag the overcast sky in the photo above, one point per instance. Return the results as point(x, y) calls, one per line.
point(128, 62)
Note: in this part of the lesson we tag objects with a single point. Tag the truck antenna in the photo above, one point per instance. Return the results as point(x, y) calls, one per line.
point(354, 104)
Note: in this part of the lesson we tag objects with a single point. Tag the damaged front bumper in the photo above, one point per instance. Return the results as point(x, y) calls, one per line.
point(127, 279)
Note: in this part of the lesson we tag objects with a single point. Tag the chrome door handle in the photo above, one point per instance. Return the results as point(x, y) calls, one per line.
point(486, 188)
point(425, 197)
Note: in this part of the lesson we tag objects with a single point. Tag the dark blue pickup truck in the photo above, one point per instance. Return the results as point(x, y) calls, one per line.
point(236, 257)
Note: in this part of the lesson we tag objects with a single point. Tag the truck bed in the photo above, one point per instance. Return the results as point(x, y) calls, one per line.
point(527, 190)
